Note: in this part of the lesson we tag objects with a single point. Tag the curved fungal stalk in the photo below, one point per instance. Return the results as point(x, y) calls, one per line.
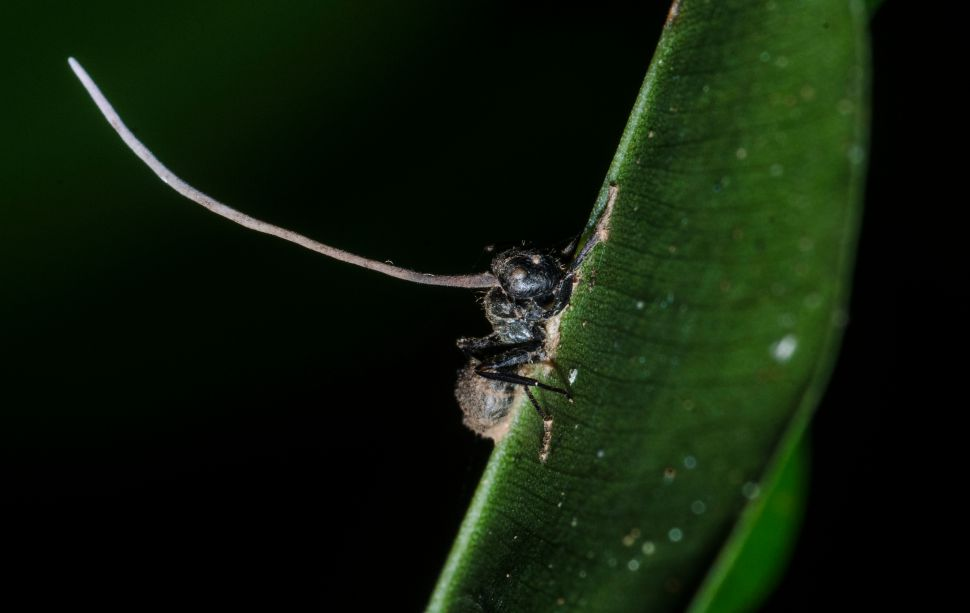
point(481, 280)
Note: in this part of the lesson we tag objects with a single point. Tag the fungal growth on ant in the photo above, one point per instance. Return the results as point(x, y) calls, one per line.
point(527, 290)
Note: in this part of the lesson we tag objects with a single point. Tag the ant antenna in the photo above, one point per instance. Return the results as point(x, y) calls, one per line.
point(482, 280)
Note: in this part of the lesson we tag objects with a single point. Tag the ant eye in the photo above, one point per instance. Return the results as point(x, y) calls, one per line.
point(526, 275)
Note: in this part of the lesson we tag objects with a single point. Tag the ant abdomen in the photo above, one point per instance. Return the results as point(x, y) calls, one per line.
point(486, 403)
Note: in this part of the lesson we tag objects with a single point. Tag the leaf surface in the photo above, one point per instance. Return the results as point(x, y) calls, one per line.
point(702, 332)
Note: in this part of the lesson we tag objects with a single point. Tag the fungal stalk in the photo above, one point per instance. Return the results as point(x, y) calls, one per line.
point(472, 281)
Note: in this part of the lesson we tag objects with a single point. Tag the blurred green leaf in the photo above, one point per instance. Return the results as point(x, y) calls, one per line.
point(755, 558)
point(701, 334)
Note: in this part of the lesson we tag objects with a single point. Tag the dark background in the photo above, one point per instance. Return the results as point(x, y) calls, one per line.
point(192, 412)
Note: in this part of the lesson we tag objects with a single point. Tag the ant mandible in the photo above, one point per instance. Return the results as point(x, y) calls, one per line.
point(526, 289)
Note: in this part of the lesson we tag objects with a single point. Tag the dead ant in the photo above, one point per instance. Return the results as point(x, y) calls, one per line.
point(527, 288)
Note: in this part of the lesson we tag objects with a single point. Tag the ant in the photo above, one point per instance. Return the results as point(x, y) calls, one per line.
point(533, 287)
point(527, 290)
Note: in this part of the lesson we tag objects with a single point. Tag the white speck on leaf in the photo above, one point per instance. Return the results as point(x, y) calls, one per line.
point(784, 349)
point(751, 490)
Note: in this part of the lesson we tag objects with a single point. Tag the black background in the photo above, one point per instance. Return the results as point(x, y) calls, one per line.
point(193, 413)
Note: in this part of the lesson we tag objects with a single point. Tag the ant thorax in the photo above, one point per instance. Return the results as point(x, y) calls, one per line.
point(526, 296)
point(527, 290)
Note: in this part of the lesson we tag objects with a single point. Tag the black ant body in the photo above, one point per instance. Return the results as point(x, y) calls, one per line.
point(526, 289)
point(533, 287)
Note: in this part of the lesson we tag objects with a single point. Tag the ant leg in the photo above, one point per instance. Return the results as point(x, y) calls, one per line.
point(488, 349)
point(474, 347)
point(594, 239)
point(546, 440)
point(494, 356)
point(527, 382)
point(495, 367)
point(565, 289)
point(543, 414)
point(563, 294)
point(600, 232)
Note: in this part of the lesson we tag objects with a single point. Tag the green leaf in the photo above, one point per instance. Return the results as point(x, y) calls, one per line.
point(754, 559)
point(701, 334)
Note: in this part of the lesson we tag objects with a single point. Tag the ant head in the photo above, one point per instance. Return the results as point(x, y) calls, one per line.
point(527, 274)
